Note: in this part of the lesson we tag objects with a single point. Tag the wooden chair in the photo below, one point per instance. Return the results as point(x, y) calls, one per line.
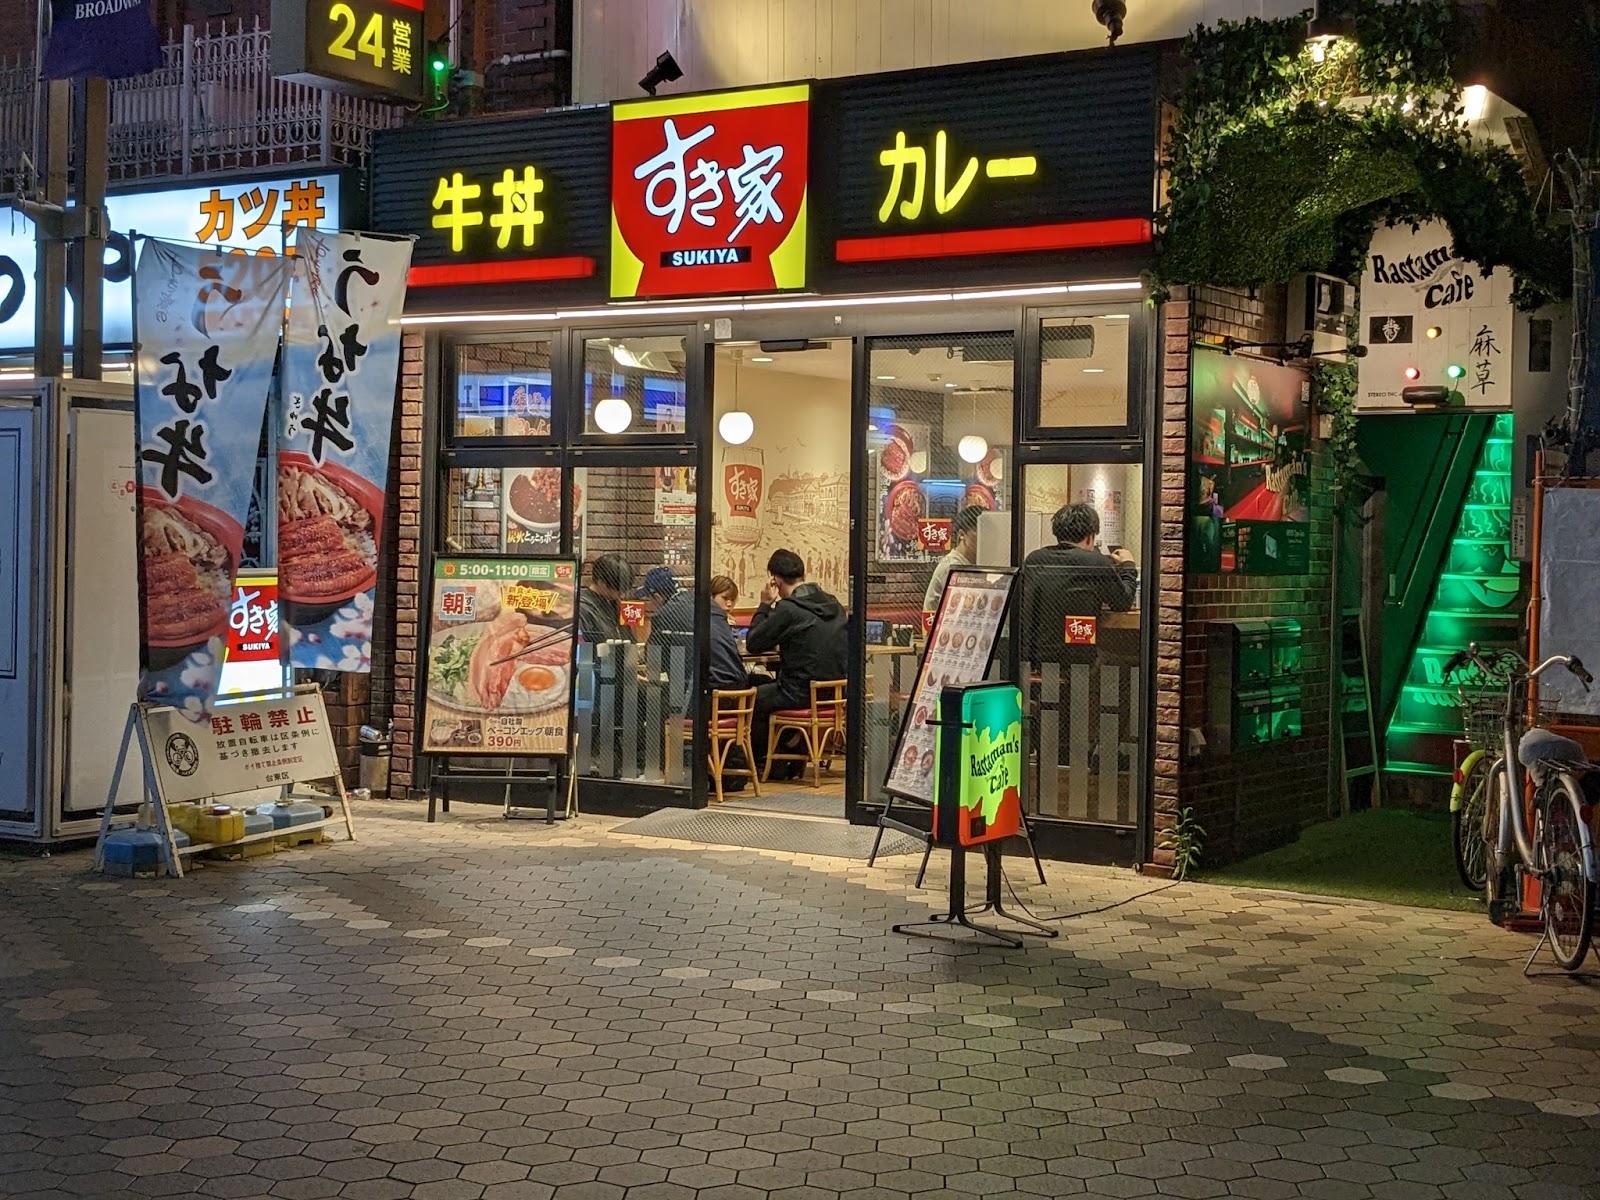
point(731, 717)
point(821, 729)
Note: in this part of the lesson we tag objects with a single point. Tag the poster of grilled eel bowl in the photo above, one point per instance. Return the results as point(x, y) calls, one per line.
point(499, 666)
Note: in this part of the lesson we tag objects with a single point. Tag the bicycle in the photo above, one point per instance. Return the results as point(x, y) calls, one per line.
point(1559, 851)
point(1469, 790)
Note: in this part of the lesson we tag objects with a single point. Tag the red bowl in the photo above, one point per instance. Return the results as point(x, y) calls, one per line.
point(219, 525)
point(365, 493)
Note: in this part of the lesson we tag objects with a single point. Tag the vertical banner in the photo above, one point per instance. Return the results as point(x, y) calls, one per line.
point(341, 356)
point(207, 329)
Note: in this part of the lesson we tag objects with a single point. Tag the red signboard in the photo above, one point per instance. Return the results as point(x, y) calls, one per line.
point(630, 613)
point(933, 535)
point(708, 193)
point(1082, 631)
point(253, 620)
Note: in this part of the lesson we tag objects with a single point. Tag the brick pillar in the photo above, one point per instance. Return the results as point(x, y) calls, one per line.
point(1173, 371)
point(408, 565)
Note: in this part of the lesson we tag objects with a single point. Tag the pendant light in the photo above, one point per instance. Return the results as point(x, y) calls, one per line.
point(736, 426)
point(974, 446)
point(613, 414)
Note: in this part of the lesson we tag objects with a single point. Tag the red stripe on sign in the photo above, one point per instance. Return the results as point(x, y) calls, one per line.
point(1072, 235)
point(517, 270)
point(415, 4)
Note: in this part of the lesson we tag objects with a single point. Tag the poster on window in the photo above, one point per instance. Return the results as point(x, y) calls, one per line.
point(499, 668)
point(675, 496)
point(960, 646)
point(341, 355)
point(207, 332)
point(1249, 466)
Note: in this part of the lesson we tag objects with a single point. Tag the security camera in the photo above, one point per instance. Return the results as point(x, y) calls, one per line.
point(666, 70)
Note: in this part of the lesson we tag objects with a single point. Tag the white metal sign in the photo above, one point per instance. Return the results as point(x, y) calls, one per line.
point(241, 747)
point(1430, 319)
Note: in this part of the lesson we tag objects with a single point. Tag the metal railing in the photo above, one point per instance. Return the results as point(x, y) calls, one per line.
point(212, 106)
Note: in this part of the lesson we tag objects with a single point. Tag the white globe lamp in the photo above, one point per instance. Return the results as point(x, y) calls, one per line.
point(613, 414)
point(736, 427)
point(972, 448)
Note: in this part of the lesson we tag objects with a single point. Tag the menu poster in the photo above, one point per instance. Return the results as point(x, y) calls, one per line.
point(960, 646)
point(499, 670)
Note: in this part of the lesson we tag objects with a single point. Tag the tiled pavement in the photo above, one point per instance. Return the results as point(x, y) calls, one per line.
point(480, 1010)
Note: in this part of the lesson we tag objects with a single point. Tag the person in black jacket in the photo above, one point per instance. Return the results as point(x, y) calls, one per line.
point(1071, 579)
point(808, 629)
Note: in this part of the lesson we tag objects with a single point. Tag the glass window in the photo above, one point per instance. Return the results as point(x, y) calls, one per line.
point(510, 510)
point(939, 456)
point(502, 389)
point(1080, 633)
point(634, 385)
point(1083, 371)
point(636, 661)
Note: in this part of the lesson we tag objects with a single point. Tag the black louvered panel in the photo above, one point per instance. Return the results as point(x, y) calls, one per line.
point(571, 152)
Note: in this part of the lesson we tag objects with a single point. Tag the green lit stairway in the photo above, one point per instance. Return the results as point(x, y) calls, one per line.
point(1478, 597)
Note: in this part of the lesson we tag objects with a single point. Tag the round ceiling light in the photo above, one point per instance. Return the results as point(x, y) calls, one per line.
point(736, 427)
point(972, 448)
point(613, 414)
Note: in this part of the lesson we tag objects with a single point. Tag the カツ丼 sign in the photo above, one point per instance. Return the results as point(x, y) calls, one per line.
point(371, 47)
point(708, 193)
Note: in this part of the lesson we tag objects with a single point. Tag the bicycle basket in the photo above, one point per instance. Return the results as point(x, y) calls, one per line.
point(1482, 719)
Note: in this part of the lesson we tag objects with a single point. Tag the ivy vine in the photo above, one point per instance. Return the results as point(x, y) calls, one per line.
point(1281, 162)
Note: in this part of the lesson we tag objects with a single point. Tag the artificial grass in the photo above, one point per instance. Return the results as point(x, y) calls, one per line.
point(1388, 854)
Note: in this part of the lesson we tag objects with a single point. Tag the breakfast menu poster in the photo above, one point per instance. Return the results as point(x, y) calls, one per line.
point(959, 649)
point(499, 671)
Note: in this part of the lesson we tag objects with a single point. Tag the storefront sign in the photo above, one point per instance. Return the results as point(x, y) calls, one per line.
point(252, 662)
point(958, 651)
point(208, 339)
point(256, 215)
point(341, 356)
point(708, 193)
point(371, 47)
point(1432, 324)
point(630, 613)
point(1054, 153)
point(500, 645)
point(1082, 631)
point(978, 759)
point(240, 747)
point(1249, 466)
point(933, 536)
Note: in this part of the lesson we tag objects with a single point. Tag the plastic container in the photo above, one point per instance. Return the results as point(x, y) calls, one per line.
point(288, 817)
point(219, 824)
point(131, 852)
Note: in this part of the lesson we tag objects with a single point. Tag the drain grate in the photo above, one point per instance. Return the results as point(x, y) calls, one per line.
point(830, 839)
point(799, 804)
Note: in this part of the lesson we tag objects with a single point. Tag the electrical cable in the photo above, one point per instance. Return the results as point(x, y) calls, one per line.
point(1087, 912)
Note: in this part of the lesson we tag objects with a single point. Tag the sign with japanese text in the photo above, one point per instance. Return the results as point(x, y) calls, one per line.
point(240, 746)
point(370, 47)
point(959, 647)
point(341, 356)
point(252, 662)
point(255, 215)
point(208, 337)
point(708, 193)
point(1432, 319)
point(630, 613)
point(978, 760)
point(500, 647)
point(933, 535)
point(1081, 631)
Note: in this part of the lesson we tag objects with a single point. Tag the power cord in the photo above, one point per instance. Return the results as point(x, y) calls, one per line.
point(1087, 912)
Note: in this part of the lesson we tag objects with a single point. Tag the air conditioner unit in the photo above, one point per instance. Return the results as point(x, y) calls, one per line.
point(1318, 308)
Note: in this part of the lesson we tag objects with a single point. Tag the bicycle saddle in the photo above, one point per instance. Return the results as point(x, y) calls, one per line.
point(1541, 751)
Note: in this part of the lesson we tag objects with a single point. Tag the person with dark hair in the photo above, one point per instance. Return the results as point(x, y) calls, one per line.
point(610, 578)
point(1071, 579)
point(727, 667)
point(963, 553)
point(808, 629)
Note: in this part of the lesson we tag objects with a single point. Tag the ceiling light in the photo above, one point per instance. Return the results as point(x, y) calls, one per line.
point(613, 414)
point(1474, 101)
point(948, 384)
point(1094, 370)
point(763, 358)
point(887, 378)
point(972, 448)
point(1114, 316)
point(736, 427)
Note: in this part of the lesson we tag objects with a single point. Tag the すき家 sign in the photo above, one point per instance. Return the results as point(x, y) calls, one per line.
point(708, 193)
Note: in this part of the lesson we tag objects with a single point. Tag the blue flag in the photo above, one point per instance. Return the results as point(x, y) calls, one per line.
point(101, 39)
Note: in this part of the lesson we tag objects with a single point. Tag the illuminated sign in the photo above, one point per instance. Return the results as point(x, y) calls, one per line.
point(708, 193)
point(257, 216)
point(252, 659)
point(370, 47)
point(908, 167)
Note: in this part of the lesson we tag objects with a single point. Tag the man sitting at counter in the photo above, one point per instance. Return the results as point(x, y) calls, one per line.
point(1072, 579)
point(808, 629)
point(599, 618)
point(963, 553)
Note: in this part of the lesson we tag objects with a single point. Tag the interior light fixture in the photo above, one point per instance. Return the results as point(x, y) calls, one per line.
point(666, 70)
point(973, 448)
point(1094, 370)
point(1433, 332)
point(613, 414)
point(887, 378)
point(736, 425)
point(762, 358)
point(1114, 316)
point(948, 384)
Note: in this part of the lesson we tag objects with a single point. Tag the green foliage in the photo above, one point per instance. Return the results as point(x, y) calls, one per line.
point(1186, 839)
point(1280, 164)
point(1333, 386)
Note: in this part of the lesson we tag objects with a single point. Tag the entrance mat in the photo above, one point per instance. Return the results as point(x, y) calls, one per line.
point(830, 839)
point(799, 804)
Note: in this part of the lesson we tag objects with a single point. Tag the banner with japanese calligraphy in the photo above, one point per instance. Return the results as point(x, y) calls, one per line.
point(341, 356)
point(207, 329)
point(708, 193)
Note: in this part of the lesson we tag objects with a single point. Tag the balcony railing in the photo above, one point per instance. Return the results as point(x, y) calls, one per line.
point(212, 106)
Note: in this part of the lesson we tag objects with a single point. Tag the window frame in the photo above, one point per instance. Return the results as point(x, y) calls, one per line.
point(1032, 363)
point(579, 436)
point(450, 435)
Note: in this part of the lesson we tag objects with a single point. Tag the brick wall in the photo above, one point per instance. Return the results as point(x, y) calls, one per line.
point(495, 29)
point(402, 577)
point(1247, 800)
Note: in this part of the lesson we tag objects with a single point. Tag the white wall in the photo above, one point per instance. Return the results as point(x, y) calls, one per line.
point(728, 43)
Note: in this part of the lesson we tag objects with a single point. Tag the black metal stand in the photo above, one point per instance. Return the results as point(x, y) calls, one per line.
point(551, 781)
point(885, 821)
point(993, 902)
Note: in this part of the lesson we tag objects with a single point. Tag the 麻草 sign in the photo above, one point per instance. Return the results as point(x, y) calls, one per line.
point(370, 47)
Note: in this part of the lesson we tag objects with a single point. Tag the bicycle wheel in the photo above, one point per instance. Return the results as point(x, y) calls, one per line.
point(1566, 860)
point(1468, 818)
